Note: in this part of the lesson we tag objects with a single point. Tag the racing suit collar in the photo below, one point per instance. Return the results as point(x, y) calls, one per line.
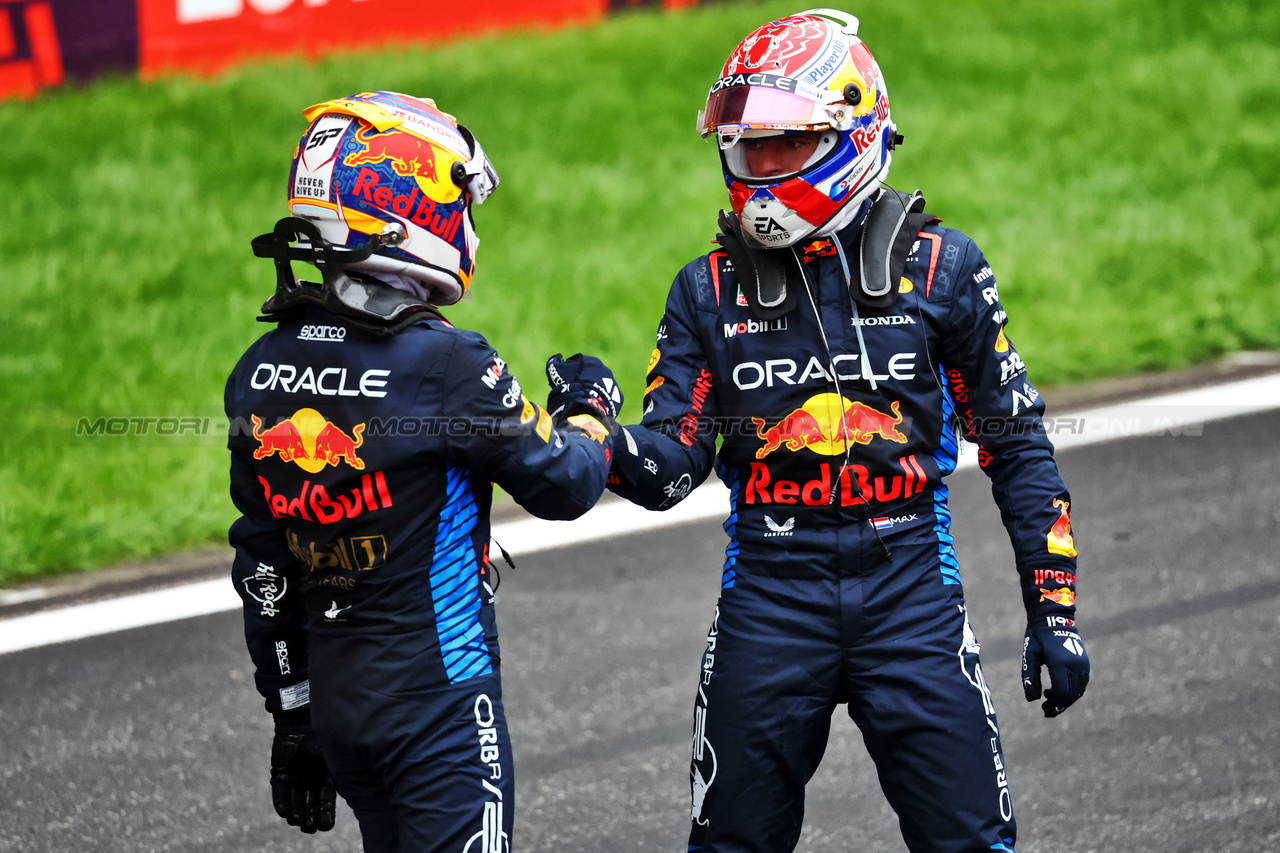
point(848, 236)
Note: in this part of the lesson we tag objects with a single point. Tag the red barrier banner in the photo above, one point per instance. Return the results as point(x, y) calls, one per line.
point(208, 35)
point(44, 42)
point(30, 56)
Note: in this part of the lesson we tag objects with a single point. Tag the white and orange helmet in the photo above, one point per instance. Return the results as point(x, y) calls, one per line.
point(805, 72)
point(384, 163)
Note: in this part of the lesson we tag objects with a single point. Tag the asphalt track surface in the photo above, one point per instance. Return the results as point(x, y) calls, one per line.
point(154, 739)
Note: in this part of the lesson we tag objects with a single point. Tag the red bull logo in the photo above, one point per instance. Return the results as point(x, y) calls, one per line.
point(697, 400)
point(864, 138)
point(1063, 596)
point(818, 249)
point(1053, 576)
point(826, 423)
point(418, 207)
point(283, 438)
point(1060, 541)
point(315, 503)
point(862, 423)
point(654, 358)
point(309, 441)
point(410, 155)
point(867, 73)
point(851, 485)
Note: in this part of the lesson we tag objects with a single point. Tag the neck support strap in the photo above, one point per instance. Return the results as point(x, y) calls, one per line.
point(367, 304)
point(887, 235)
point(884, 242)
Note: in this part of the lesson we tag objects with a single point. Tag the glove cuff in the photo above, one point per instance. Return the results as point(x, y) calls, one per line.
point(284, 692)
point(293, 722)
point(628, 461)
point(588, 406)
point(1048, 587)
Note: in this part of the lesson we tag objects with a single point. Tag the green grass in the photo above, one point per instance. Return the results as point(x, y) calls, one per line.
point(1117, 161)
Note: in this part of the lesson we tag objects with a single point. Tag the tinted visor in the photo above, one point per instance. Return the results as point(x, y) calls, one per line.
point(738, 157)
point(756, 106)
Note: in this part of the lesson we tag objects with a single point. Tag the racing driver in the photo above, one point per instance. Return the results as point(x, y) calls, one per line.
point(839, 344)
point(366, 434)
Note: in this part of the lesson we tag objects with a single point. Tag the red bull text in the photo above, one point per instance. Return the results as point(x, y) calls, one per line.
point(372, 494)
point(762, 488)
point(419, 211)
point(697, 400)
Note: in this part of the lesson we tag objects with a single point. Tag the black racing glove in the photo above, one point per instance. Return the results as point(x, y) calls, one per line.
point(1053, 642)
point(582, 384)
point(301, 789)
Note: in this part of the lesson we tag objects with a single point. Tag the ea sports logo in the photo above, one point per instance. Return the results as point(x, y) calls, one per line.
point(769, 231)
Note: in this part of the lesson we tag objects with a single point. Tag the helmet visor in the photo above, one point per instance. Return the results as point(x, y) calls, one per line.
point(760, 107)
point(479, 178)
point(785, 162)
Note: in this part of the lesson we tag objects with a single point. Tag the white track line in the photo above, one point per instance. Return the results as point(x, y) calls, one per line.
point(117, 614)
point(1183, 413)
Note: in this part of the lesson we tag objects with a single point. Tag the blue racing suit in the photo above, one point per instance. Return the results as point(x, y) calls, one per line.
point(362, 467)
point(836, 426)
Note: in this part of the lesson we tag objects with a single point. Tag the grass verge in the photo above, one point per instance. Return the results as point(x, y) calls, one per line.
point(1118, 161)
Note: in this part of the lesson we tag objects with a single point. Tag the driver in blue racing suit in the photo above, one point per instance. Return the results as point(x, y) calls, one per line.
point(367, 434)
point(838, 346)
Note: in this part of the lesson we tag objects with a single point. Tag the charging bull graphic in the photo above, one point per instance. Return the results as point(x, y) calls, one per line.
point(410, 155)
point(333, 445)
point(826, 422)
point(862, 423)
point(1063, 596)
point(309, 441)
point(283, 438)
point(797, 430)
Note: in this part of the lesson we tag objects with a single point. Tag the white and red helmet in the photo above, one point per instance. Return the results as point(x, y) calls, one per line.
point(806, 72)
